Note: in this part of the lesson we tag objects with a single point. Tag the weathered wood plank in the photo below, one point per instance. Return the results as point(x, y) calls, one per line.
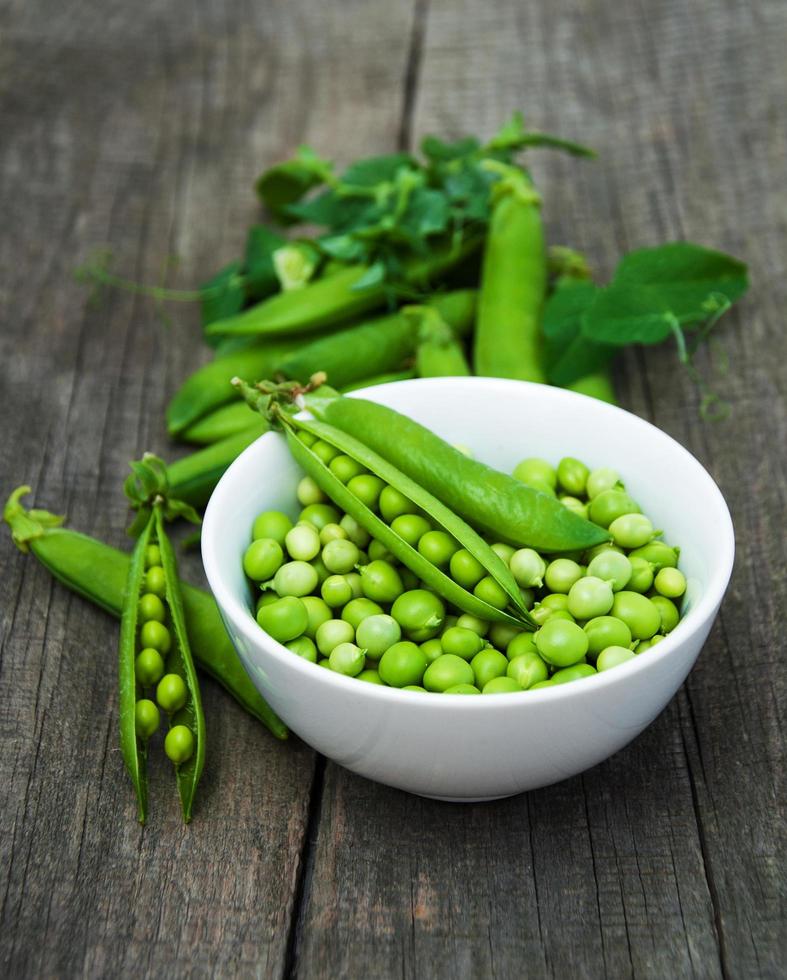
point(662, 861)
point(141, 129)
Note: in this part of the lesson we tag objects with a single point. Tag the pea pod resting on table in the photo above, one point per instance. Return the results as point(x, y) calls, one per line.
point(301, 433)
point(151, 654)
point(99, 573)
point(485, 497)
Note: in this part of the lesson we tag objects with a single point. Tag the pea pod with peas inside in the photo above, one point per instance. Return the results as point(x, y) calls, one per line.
point(510, 608)
point(487, 498)
point(100, 573)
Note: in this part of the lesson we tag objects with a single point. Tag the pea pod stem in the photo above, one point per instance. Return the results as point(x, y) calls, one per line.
point(513, 282)
point(99, 573)
point(133, 749)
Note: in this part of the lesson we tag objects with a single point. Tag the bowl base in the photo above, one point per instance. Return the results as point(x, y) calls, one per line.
point(465, 799)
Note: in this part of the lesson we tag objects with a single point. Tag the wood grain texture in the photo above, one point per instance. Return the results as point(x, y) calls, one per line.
point(141, 129)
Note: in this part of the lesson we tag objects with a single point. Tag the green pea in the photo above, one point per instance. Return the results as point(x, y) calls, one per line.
point(541, 684)
point(611, 656)
point(599, 549)
point(410, 528)
point(535, 471)
point(542, 614)
point(461, 642)
point(393, 504)
point(155, 581)
point(367, 488)
point(638, 613)
point(271, 524)
point(470, 622)
point(489, 590)
point(528, 568)
point(601, 479)
point(641, 574)
point(179, 744)
point(561, 574)
point(262, 559)
point(409, 579)
point(447, 671)
point(357, 534)
point(320, 514)
point(561, 643)
point(308, 492)
point(437, 547)
point(324, 662)
point(303, 542)
point(432, 649)
point(448, 623)
point(336, 591)
point(303, 647)
point(171, 693)
point(319, 566)
point(378, 552)
point(331, 633)
point(419, 613)
point(356, 611)
point(345, 468)
point(324, 450)
point(503, 551)
point(284, 619)
point(151, 608)
point(266, 599)
point(370, 676)
point(381, 581)
point(414, 687)
point(606, 631)
point(670, 582)
point(307, 438)
point(501, 685)
point(644, 645)
point(340, 557)
point(575, 673)
point(465, 569)
point(659, 555)
point(332, 532)
point(572, 475)
point(488, 664)
point(527, 670)
point(575, 505)
point(631, 530)
point(149, 667)
point(612, 567)
point(462, 689)
point(589, 597)
point(520, 645)
point(609, 505)
point(295, 578)
point(501, 634)
point(318, 612)
point(152, 555)
point(402, 664)
point(156, 635)
point(668, 612)
point(354, 581)
point(146, 717)
point(555, 600)
point(377, 633)
point(348, 659)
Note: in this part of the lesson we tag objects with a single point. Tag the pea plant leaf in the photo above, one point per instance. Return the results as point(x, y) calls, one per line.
point(287, 182)
point(259, 273)
point(224, 294)
point(376, 170)
point(656, 291)
point(569, 355)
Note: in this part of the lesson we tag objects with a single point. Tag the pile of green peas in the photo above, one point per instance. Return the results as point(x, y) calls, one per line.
point(155, 641)
point(336, 597)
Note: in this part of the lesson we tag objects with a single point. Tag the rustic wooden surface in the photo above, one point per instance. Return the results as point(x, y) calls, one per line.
point(140, 127)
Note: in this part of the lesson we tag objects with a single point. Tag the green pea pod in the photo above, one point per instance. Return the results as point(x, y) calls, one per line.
point(100, 574)
point(221, 423)
point(133, 749)
point(513, 282)
point(439, 353)
point(597, 385)
point(481, 495)
point(381, 379)
point(334, 298)
point(194, 477)
point(383, 344)
point(180, 662)
point(440, 514)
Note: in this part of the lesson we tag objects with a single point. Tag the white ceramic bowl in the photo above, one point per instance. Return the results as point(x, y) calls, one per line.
point(472, 748)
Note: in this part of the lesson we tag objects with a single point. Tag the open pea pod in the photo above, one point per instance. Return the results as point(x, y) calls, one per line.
point(133, 749)
point(515, 615)
point(180, 661)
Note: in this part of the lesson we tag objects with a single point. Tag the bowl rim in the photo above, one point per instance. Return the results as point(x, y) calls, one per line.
point(243, 620)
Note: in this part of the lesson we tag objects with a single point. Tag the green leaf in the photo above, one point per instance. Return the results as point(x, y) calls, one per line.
point(283, 185)
point(259, 273)
point(437, 151)
point(655, 289)
point(377, 170)
point(564, 308)
point(426, 214)
point(513, 136)
point(223, 295)
point(344, 248)
point(569, 355)
point(373, 276)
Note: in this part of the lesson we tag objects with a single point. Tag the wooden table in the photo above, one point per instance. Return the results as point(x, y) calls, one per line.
point(140, 127)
